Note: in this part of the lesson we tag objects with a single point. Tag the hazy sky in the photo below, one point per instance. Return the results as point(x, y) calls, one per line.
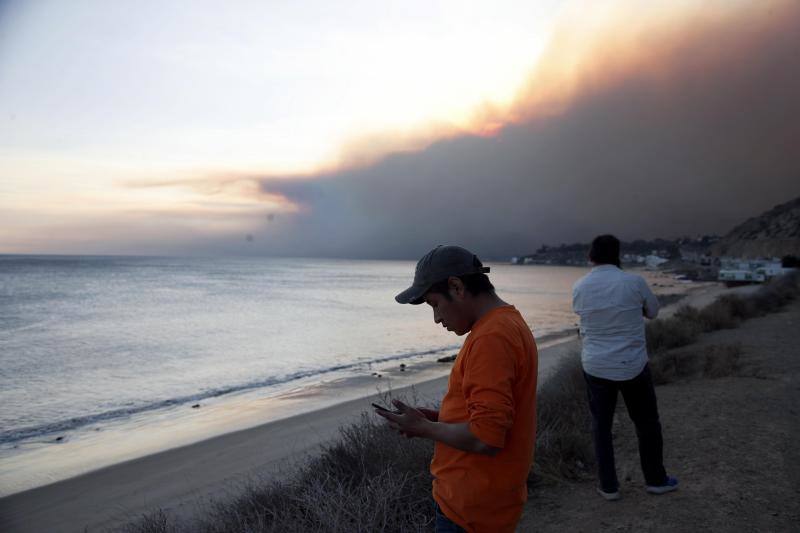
point(379, 129)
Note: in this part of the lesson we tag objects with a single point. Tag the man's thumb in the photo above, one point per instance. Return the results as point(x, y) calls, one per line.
point(400, 405)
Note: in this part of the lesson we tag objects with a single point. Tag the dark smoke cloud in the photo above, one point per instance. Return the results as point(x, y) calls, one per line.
point(698, 134)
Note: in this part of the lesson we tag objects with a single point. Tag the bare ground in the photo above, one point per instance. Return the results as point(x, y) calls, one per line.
point(731, 441)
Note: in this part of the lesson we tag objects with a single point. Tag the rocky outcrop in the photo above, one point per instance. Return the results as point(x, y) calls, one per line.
point(775, 233)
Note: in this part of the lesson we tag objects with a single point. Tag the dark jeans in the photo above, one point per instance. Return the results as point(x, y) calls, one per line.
point(640, 399)
point(445, 525)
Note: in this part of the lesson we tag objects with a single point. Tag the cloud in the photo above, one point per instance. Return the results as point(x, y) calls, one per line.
point(643, 127)
point(639, 121)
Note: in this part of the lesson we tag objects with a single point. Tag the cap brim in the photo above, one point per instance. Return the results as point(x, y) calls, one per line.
point(413, 295)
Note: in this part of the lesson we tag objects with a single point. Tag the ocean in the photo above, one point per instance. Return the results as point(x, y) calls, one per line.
point(90, 344)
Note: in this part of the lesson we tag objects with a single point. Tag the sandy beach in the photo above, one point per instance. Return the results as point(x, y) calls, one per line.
point(177, 479)
point(184, 479)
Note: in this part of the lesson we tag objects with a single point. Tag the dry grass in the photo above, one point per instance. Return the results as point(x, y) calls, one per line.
point(563, 444)
point(720, 314)
point(726, 312)
point(370, 479)
point(712, 361)
point(669, 299)
point(667, 333)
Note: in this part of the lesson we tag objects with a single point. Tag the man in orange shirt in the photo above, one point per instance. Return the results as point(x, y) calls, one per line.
point(485, 429)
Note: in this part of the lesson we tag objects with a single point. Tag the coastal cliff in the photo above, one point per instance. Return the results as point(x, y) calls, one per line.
point(775, 233)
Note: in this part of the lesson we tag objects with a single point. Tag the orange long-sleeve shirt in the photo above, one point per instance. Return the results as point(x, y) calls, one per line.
point(493, 387)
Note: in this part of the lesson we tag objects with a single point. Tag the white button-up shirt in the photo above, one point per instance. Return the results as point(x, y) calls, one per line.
point(612, 305)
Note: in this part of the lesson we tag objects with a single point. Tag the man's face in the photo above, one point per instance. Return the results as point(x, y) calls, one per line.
point(450, 313)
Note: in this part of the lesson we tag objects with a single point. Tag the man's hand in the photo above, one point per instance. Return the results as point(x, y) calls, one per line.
point(430, 414)
point(410, 421)
point(413, 422)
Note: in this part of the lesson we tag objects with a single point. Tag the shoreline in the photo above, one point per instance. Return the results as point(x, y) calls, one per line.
point(52, 458)
point(80, 451)
point(72, 453)
point(181, 478)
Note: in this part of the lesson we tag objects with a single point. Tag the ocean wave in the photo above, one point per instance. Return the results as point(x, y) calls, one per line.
point(43, 430)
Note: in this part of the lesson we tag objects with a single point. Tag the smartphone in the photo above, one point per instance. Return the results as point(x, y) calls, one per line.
point(382, 408)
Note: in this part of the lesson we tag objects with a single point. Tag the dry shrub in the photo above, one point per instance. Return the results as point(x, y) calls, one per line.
point(739, 307)
point(711, 361)
point(726, 312)
point(722, 360)
point(389, 500)
point(563, 438)
point(774, 295)
point(719, 315)
point(156, 522)
point(670, 366)
point(687, 313)
point(723, 313)
point(667, 333)
point(669, 299)
point(370, 479)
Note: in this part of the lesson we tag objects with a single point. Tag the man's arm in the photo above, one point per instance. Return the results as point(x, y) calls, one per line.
point(430, 414)
point(650, 307)
point(414, 423)
point(459, 436)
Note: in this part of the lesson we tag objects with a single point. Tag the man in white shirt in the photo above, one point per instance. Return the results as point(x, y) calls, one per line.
point(612, 305)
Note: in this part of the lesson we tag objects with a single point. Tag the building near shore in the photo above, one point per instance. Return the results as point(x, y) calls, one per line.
point(736, 270)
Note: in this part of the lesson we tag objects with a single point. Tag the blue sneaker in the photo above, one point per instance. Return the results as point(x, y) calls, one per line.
point(669, 486)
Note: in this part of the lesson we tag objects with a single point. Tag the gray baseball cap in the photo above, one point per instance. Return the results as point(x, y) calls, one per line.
point(438, 265)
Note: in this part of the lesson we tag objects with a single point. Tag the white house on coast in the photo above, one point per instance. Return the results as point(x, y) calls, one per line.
point(750, 271)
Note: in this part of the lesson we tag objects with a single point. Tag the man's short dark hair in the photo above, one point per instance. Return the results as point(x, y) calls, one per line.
point(605, 250)
point(475, 284)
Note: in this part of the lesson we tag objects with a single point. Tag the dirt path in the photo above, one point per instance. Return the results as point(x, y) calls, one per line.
point(732, 442)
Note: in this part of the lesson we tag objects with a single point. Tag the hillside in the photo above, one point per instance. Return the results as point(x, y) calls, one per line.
point(732, 479)
point(775, 233)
